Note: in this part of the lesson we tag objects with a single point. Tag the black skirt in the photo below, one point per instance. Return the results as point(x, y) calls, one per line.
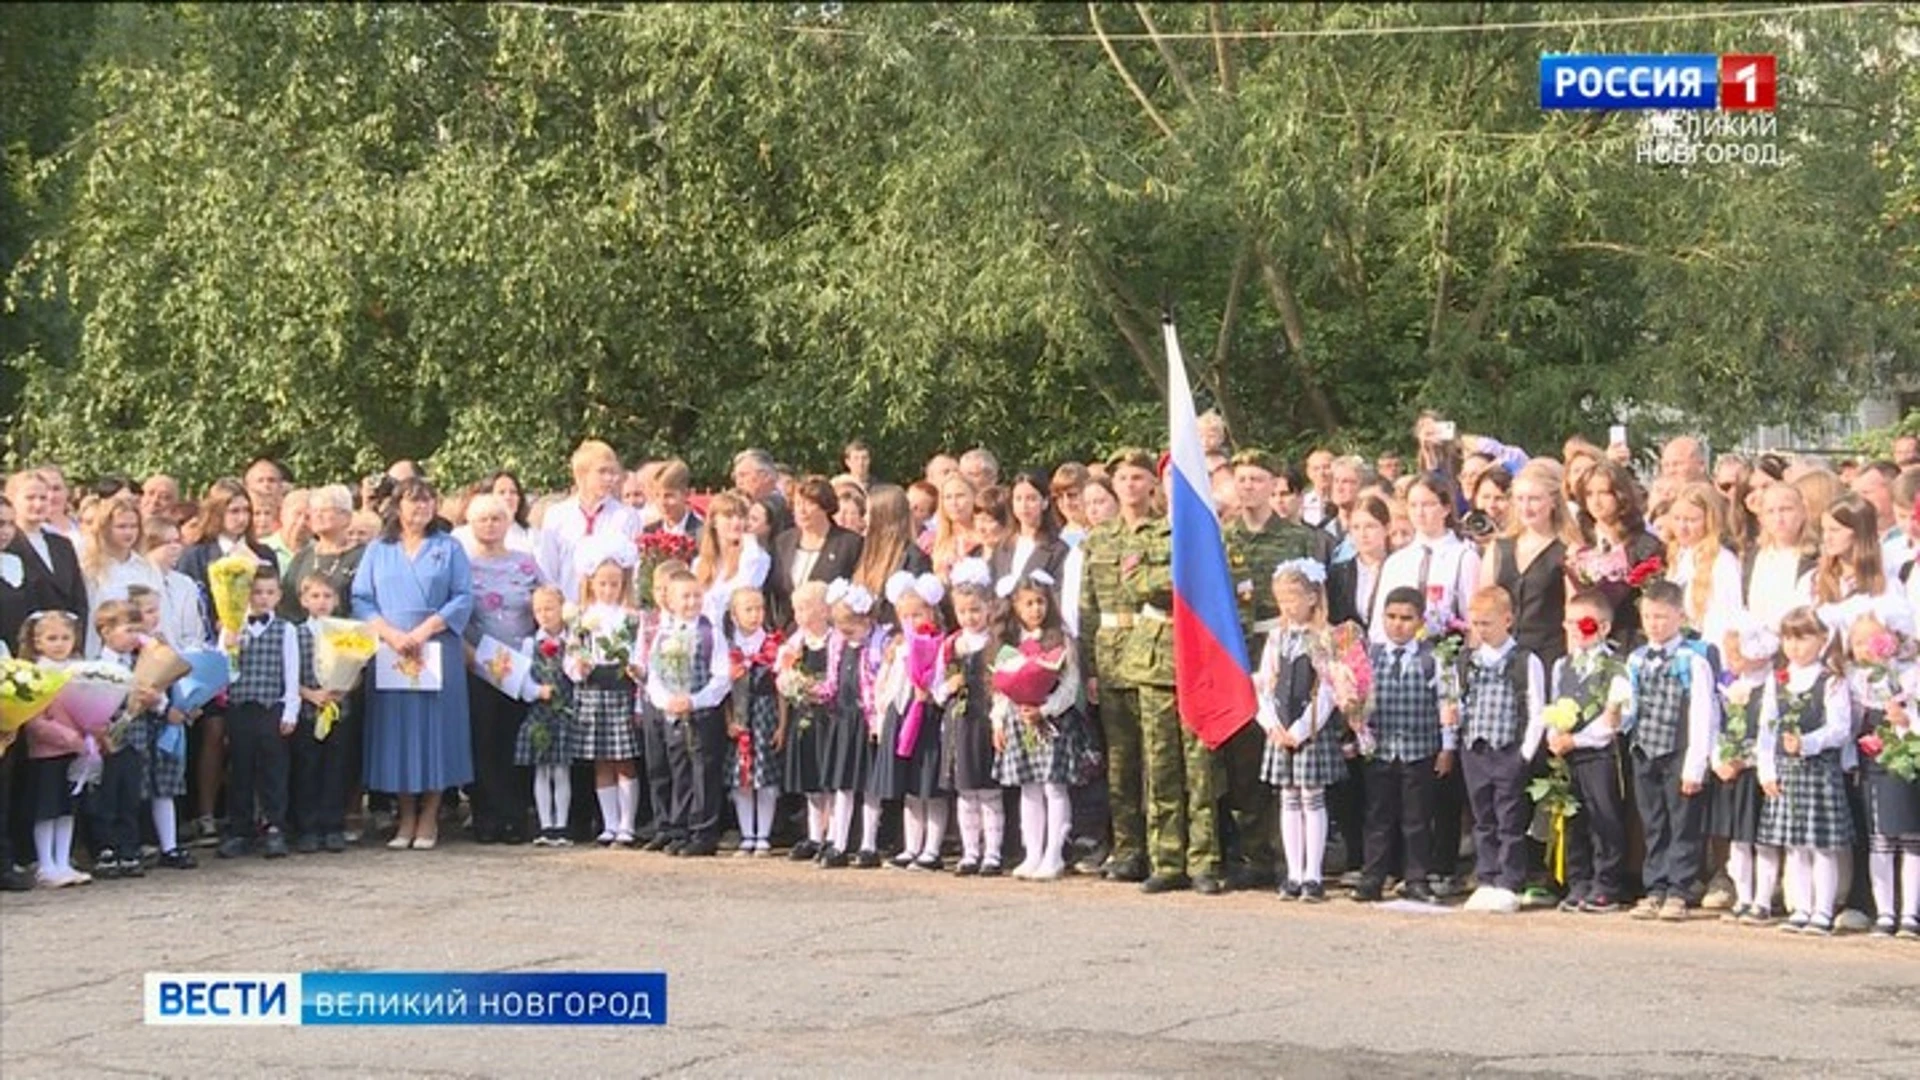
point(800, 754)
point(50, 788)
point(1893, 805)
point(892, 776)
point(967, 758)
point(1733, 809)
point(845, 750)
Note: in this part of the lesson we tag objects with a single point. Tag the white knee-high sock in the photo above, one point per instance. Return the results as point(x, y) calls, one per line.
point(609, 798)
point(1880, 867)
point(936, 827)
point(842, 822)
point(1766, 875)
point(971, 840)
point(993, 815)
point(1799, 880)
point(1910, 879)
point(870, 823)
point(913, 826)
point(43, 845)
point(743, 809)
point(629, 788)
point(63, 842)
point(543, 796)
point(562, 779)
point(819, 811)
point(1313, 831)
point(1033, 826)
point(764, 800)
point(1293, 834)
point(1826, 881)
point(1740, 869)
point(166, 824)
point(1059, 819)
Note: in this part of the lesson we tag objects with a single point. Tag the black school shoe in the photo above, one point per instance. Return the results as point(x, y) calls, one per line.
point(1208, 885)
point(308, 844)
point(1130, 870)
point(179, 859)
point(804, 850)
point(1368, 891)
point(660, 842)
point(991, 868)
point(697, 849)
point(902, 861)
point(832, 858)
point(15, 880)
point(233, 847)
point(1419, 892)
point(133, 868)
point(106, 865)
point(866, 860)
point(276, 845)
point(335, 843)
point(1313, 892)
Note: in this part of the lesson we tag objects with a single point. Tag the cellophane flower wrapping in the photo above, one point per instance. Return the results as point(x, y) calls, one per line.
point(923, 668)
point(26, 690)
point(342, 649)
point(1027, 675)
point(230, 582)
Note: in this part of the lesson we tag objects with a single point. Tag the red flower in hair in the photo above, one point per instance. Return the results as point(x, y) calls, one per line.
point(1588, 626)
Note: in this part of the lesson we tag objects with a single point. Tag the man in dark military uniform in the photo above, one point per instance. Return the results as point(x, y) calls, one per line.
point(1183, 841)
point(1258, 541)
point(1107, 616)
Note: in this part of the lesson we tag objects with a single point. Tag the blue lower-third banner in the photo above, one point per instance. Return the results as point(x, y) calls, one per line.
point(405, 998)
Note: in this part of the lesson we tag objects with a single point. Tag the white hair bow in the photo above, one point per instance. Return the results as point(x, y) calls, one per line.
point(899, 585)
point(858, 599)
point(1041, 577)
point(604, 548)
point(930, 589)
point(1005, 586)
point(971, 571)
point(837, 591)
point(1306, 568)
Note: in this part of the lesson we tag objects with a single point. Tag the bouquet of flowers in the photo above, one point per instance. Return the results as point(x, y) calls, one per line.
point(1792, 706)
point(208, 673)
point(923, 662)
point(1736, 740)
point(1592, 567)
point(1897, 751)
point(26, 689)
point(159, 666)
point(1553, 798)
point(93, 699)
point(1027, 676)
point(230, 581)
point(547, 661)
point(1645, 570)
point(602, 638)
point(657, 548)
point(801, 689)
point(1339, 658)
point(1882, 669)
point(341, 649)
point(1447, 647)
point(673, 661)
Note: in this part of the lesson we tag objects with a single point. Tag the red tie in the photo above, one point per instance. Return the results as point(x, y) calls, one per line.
point(590, 516)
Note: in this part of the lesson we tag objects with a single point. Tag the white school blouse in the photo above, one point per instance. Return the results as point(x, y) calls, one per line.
point(1777, 587)
point(1454, 571)
point(1723, 601)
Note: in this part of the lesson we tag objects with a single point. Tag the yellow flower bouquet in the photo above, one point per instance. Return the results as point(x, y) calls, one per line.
point(341, 650)
point(230, 581)
point(25, 692)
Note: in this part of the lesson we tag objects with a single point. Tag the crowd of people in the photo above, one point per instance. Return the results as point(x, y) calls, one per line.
point(1650, 694)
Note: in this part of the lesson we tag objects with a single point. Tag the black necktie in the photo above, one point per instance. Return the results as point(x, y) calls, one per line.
point(1426, 567)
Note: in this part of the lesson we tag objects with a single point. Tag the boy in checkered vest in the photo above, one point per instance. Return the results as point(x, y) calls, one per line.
point(264, 707)
point(689, 678)
point(1591, 677)
point(1670, 733)
point(1498, 722)
point(1411, 749)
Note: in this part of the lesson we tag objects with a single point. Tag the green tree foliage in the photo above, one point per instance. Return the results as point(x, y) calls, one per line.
point(472, 234)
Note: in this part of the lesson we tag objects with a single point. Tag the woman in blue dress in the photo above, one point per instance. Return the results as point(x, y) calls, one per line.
point(415, 588)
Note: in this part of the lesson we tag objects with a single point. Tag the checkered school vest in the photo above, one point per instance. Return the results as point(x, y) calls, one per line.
point(1661, 689)
point(1490, 711)
point(1406, 708)
point(1813, 716)
point(1588, 690)
point(259, 677)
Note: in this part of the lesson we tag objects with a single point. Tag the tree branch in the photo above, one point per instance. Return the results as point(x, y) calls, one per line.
point(1222, 59)
point(1120, 66)
point(1166, 54)
point(1280, 291)
point(1224, 339)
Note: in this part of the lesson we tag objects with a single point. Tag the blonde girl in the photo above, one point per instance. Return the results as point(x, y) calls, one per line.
point(603, 660)
point(1699, 562)
point(1296, 709)
point(54, 741)
point(1804, 730)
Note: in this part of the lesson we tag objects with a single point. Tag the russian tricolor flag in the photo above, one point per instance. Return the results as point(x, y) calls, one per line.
point(1212, 678)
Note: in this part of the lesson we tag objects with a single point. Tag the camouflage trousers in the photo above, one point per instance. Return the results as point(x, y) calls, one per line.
point(1183, 836)
point(1120, 727)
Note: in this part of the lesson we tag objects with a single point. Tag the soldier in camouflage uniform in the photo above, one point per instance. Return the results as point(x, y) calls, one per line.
point(1182, 838)
point(1107, 618)
point(1258, 541)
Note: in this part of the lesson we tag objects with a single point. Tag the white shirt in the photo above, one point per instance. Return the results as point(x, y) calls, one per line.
point(1454, 571)
point(1777, 587)
point(719, 676)
point(183, 618)
point(1313, 508)
point(1835, 734)
point(1073, 572)
point(37, 540)
point(1723, 601)
point(749, 572)
point(565, 525)
point(519, 538)
point(112, 585)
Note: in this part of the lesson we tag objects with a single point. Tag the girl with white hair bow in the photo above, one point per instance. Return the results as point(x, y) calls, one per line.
point(906, 757)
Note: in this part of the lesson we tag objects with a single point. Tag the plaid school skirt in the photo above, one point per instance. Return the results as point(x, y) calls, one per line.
point(1319, 764)
point(562, 736)
point(162, 776)
point(764, 766)
point(1053, 752)
point(1812, 808)
point(603, 723)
